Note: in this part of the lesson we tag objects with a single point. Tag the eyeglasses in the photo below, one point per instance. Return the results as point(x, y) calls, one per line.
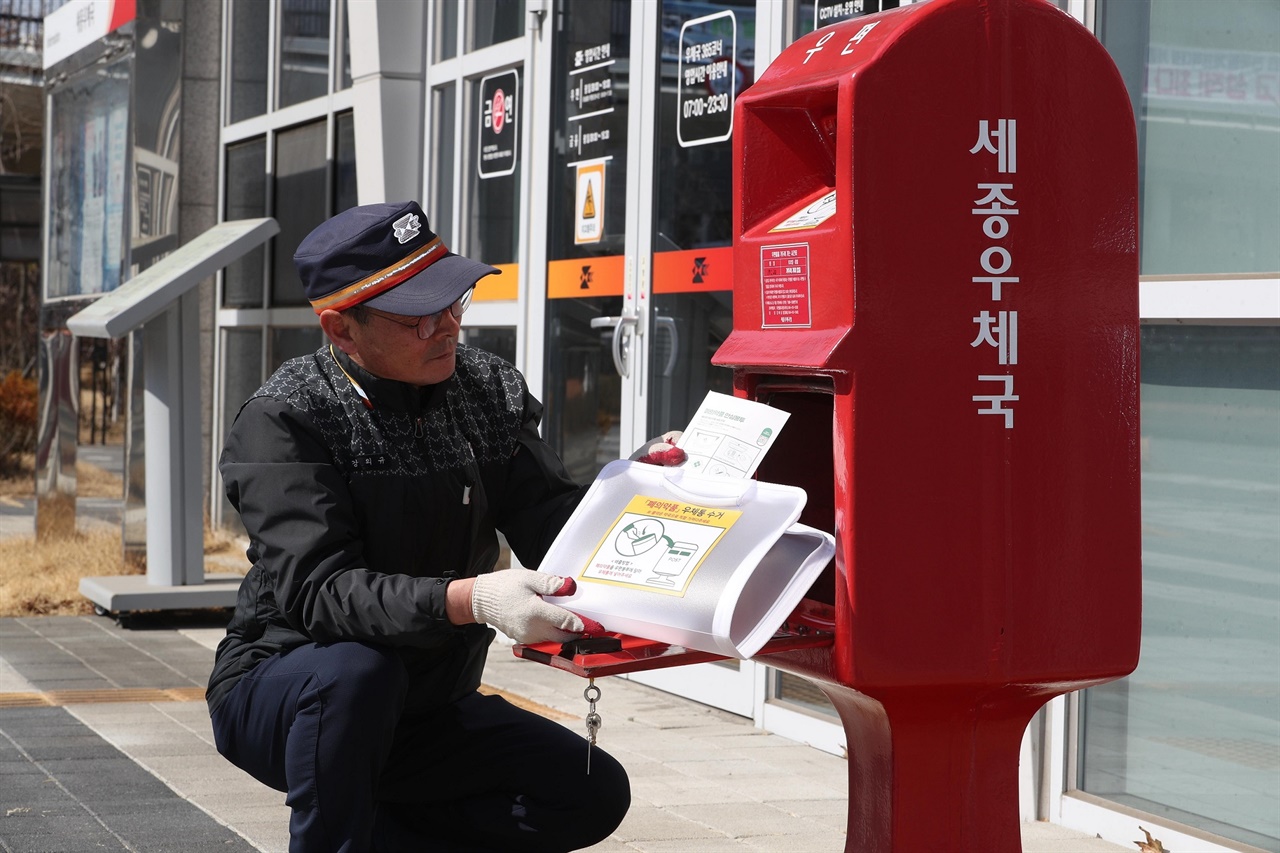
point(427, 324)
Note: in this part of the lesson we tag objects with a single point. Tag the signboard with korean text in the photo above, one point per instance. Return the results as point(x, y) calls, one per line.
point(784, 286)
point(499, 136)
point(591, 104)
point(79, 23)
point(657, 544)
point(708, 79)
point(827, 12)
point(709, 563)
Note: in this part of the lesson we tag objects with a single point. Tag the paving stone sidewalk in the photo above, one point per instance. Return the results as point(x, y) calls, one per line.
point(105, 744)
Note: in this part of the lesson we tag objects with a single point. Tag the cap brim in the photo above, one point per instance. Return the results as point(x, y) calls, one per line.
point(435, 288)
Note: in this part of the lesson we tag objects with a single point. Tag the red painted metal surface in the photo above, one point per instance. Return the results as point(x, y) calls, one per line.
point(984, 163)
point(810, 627)
point(981, 478)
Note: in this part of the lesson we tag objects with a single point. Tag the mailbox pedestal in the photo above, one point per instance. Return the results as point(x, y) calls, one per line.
point(936, 273)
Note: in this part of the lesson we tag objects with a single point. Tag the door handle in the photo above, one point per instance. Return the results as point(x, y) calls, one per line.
point(619, 326)
point(669, 323)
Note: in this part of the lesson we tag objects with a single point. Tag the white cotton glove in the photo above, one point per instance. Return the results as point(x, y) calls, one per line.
point(509, 601)
point(661, 450)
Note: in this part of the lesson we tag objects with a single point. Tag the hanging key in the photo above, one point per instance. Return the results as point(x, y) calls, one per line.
point(591, 694)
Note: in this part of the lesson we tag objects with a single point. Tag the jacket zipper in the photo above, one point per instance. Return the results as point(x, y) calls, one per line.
point(466, 489)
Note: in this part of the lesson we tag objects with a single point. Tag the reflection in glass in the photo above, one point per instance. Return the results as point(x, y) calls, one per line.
point(694, 207)
point(304, 50)
point(584, 400)
point(242, 374)
point(494, 21)
point(687, 329)
point(445, 45)
point(1194, 733)
point(344, 38)
point(287, 343)
point(344, 156)
point(803, 693)
point(584, 395)
point(695, 181)
point(499, 340)
point(439, 204)
point(246, 198)
point(300, 195)
point(247, 59)
point(89, 153)
point(1206, 94)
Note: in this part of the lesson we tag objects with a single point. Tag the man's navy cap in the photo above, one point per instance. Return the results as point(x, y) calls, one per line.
point(384, 256)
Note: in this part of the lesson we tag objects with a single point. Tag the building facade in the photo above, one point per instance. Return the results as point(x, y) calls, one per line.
point(562, 141)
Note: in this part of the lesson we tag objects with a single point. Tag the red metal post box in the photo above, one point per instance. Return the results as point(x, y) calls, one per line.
point(936, 272)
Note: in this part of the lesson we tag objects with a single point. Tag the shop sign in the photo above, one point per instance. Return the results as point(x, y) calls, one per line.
point(80, 23)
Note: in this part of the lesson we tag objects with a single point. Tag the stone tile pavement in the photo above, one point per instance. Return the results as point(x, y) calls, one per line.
point(105, 744)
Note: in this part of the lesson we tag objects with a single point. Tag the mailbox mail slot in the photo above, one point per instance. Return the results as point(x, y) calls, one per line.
point(936, 269)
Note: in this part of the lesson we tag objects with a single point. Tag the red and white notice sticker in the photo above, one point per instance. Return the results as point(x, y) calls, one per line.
point(784, 286)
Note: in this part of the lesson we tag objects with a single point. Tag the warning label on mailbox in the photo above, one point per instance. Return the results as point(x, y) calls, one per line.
point(657, 545)
point(784, 286)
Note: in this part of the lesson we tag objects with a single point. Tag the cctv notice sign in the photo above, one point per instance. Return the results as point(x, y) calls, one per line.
point(499, 129)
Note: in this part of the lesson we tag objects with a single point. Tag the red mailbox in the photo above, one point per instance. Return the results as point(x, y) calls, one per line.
point(936, 273)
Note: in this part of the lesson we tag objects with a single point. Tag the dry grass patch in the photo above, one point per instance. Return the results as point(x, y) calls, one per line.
point(224, 543)
point(42, 578)
point(95, 482)
point(91, 481)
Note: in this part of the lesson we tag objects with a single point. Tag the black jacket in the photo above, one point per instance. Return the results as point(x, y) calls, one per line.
point(357, 516)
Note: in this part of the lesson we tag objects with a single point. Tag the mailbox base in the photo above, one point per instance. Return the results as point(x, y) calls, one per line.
point(932, 769)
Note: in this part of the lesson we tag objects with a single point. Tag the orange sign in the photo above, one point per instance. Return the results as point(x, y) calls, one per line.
point(496, 288)
point(693, 270)
point(584, 277)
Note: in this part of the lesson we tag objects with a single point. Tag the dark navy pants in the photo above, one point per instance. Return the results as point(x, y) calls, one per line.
point(325, 724)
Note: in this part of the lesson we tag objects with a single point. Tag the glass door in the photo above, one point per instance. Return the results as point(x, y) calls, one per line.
point(639, 270)
point(587, 359)
point(705, 59)
point(476, 174)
